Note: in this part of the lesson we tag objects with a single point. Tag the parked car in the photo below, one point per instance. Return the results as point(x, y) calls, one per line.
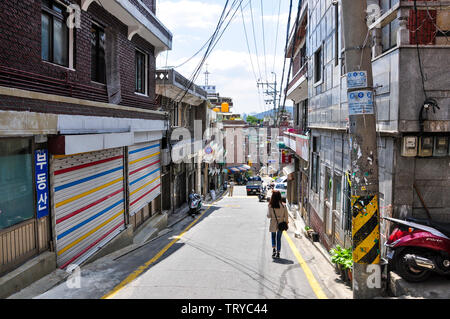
point(254, 186)
point(282, 188)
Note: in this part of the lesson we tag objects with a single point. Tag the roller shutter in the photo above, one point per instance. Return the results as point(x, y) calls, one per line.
point(144, 174)
point(88, 203)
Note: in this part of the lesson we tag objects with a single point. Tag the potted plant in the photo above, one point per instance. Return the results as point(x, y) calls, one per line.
point(343, 260)
point(336, 258)
point(309, 231)
point(347, 264)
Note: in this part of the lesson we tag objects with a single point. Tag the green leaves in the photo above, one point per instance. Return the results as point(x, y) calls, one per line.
point(341, 256)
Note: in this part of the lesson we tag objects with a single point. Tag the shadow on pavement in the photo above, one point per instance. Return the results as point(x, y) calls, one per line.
point(283, 261)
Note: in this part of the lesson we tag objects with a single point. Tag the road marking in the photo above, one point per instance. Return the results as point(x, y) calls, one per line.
point(309, 275)
point(142, 268)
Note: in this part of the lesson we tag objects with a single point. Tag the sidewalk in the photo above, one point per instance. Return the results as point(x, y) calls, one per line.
point(436, 287)
point(299, 229)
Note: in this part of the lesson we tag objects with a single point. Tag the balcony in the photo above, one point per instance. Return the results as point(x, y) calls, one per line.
point(299, 144)
point(297, 89)
point(140, 20)
point(171, 84)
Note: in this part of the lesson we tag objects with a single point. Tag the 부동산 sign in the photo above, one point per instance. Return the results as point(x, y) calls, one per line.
point(360, 102)
point(357, 80)
point(41, 178)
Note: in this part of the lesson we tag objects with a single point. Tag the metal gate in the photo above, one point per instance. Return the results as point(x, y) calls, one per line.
point(144, 174)
point(88, 203)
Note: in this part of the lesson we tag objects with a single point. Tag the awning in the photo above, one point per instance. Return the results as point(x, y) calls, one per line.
point(289, 169)
point(246, 166)
point(234, 169)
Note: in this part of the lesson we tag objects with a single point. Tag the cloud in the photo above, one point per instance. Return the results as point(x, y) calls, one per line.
point(189, 14)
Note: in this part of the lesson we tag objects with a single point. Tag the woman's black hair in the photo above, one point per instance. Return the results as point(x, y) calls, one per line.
point(275, 200)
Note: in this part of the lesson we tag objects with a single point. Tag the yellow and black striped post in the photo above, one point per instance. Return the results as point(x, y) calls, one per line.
point(363, 154)
point(365, 230)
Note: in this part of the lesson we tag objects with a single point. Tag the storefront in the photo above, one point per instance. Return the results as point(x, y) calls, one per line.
point(24, 203)
point(88, 200)
point(144, 181)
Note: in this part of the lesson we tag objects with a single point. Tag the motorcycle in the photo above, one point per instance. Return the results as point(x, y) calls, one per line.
point(262, 194)
point(418, 247)
point(195, 203)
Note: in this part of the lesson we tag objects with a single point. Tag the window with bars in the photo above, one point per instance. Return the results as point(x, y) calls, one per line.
point(54, 33)
point(141, 72)
point(98, 45)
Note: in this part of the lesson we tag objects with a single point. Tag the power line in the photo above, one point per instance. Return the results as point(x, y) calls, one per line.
point(251, 59)
point(292, 60)
point(212, 43)
point(276, 36)
point(284, 62)
point(264, 39)
point(254, 39)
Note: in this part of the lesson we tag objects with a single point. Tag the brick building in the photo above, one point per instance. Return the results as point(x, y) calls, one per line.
point(80, 128)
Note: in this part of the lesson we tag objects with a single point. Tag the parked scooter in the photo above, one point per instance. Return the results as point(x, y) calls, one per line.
point(418, 247)
point(195, 203)
point(262, 194)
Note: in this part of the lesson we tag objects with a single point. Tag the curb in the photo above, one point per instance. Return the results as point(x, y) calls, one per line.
point(320, 249)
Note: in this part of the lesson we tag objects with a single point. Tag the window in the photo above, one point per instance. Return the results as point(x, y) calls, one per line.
point(337, 34)
point(318, 66)
point(385, 5)
point(389, 35)
point(98, 64)
point(347, 220)
point(141, 72)
point(16, 182)
point(305, 115)
point(337, 198)
point(54, 34)
point(315, 166)
point(175, 115)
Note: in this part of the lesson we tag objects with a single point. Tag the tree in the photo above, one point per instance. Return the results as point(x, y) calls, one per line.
point(253, 120)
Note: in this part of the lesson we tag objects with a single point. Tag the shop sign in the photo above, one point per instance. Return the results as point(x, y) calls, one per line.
point(41, 179)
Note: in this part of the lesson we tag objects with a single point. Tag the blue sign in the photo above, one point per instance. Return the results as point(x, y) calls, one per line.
point(357, 80)
point(360, 103)
point(41, 178)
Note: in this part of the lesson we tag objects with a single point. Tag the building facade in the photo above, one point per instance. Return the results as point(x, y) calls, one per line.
point(187, 106)
point(413, 146)
point(80, 128)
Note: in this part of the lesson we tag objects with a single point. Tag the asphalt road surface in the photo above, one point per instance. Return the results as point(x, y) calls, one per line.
point(225, 253)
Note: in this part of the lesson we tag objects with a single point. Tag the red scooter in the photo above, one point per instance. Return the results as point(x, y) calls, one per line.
point(418, 247)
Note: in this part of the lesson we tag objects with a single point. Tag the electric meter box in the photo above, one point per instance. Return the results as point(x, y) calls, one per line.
point(409, 147)
point(440, 146)
point(426, 146)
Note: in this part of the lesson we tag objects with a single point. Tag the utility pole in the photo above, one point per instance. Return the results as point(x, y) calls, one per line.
point(364, 152)
point(271, 90)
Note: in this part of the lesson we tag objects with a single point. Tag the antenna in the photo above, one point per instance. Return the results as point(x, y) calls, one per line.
point(206, 75)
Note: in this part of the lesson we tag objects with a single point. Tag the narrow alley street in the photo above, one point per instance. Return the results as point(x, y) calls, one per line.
point(226, 254)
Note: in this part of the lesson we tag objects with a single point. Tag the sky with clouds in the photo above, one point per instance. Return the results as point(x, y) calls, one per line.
point(192, 22)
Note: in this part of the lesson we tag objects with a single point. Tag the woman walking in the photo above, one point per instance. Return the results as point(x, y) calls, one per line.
point(277, 213)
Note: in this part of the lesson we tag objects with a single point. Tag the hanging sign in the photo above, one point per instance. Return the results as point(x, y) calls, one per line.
point(360, 102)
point(357, 80)
point(41, 178)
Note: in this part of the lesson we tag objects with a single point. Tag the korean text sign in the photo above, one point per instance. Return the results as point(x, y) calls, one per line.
point(41, 172)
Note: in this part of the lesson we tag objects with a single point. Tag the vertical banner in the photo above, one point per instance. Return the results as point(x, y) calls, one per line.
point(41, 178)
